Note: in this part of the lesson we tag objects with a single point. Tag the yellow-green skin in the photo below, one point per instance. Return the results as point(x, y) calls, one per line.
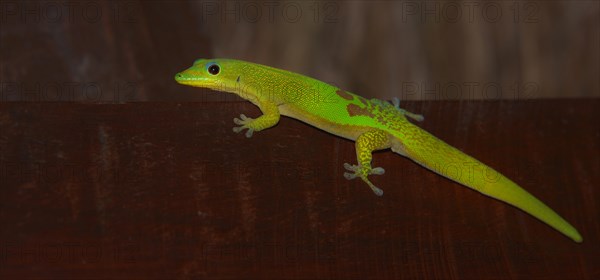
point(373, 124)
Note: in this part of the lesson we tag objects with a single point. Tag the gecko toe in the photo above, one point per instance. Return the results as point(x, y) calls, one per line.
point(350, 167)
point(416, 117)
point(396, 102)
point(349, 176)
point(377, 171)
point(242, 120)
point(377, 191)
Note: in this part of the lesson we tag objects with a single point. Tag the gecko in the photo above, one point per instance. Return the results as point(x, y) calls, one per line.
point(372, 124)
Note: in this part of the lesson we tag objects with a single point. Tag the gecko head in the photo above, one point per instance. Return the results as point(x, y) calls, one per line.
point(208, 73)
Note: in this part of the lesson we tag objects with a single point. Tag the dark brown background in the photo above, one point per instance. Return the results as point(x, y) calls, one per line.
point(95, 185)
point(130, 50)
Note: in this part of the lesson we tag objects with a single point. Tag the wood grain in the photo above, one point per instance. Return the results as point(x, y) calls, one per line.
point(167, 190)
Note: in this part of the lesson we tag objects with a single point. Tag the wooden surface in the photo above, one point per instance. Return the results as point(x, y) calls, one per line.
point(168, 191)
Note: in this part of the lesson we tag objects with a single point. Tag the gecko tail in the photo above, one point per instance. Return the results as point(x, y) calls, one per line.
point(436, 155)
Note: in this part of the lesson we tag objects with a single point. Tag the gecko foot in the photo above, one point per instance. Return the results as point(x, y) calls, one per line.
point(416, 117)
point(244, 123)
point(359, 171)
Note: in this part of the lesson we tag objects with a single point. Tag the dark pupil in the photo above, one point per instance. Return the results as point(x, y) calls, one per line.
point(213, 69)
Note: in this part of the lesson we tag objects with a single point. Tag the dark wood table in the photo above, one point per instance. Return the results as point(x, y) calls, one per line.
point(168, 191)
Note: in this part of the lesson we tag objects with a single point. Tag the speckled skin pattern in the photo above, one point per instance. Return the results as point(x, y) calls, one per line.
point(372, 124)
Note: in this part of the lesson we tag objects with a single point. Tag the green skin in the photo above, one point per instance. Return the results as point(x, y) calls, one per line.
point(372, 124)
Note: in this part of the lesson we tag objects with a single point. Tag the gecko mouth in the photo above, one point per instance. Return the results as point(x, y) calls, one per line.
point(188, 80)
point(183, 78)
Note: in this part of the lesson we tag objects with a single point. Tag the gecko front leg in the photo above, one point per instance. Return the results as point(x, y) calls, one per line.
point(269, 119)
point(366, 143)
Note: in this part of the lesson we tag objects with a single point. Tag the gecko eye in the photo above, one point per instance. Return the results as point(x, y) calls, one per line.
point(214, 69)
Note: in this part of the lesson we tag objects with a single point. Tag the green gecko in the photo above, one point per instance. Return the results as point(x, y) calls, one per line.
point(372, 124)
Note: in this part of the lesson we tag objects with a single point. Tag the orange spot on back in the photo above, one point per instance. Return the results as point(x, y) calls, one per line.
point(344, 94)
point(355, 110)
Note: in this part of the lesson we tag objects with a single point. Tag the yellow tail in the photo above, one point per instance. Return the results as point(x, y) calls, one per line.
point(449, 162)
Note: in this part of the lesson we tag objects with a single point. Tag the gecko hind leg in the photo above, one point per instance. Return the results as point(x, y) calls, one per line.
point(416, 117)
point(366, 143)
